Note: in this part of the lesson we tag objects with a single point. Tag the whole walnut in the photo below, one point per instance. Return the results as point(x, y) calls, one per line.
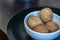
point(41, 29)
point(52, 26)
point(46, 14)
point(33, 21)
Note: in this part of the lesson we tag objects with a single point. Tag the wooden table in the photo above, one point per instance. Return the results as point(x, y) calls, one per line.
point(3, 36)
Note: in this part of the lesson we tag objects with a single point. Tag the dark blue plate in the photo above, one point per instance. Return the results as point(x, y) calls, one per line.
point(16, 29)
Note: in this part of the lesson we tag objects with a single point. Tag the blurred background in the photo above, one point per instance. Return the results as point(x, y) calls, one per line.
point(9, 8)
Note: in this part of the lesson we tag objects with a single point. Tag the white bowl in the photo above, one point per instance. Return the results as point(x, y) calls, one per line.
point(42, 36)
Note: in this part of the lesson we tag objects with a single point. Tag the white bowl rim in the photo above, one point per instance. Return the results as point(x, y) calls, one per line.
point(39, 32)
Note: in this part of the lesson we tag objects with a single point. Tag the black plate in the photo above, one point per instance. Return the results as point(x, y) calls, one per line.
point(16, 29)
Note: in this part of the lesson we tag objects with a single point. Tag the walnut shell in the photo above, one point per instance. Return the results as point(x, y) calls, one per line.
point(46, 14)
point(41, 28)
point(52, 26)
point(33, 21)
